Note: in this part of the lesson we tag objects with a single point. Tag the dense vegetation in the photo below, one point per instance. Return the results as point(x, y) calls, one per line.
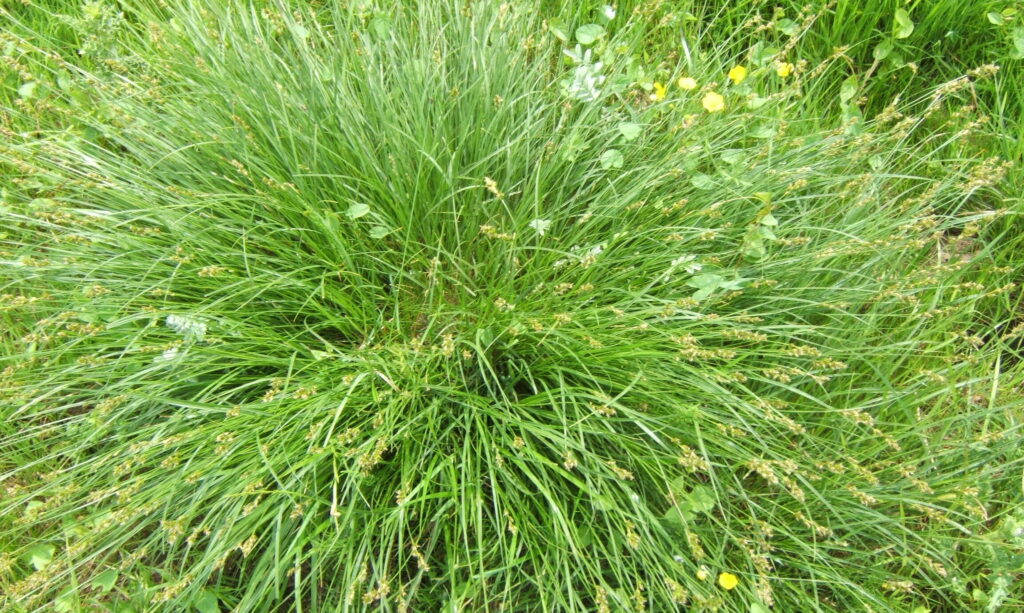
point(430, 306)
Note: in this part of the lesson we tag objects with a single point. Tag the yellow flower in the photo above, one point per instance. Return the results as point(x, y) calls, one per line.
point(783, 69)
point(737, 74)
point(686, 83)
point(713, 103)
point(728, 581)
point(659, 93)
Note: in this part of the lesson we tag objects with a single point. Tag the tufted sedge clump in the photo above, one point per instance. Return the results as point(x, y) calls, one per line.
point(325, 307)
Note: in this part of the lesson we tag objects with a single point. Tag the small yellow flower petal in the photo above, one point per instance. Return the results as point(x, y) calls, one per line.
point(659, 93)
point(728, 581)
point(783, 69)
point(713, 102)
point(737, 74)
point(686, 83)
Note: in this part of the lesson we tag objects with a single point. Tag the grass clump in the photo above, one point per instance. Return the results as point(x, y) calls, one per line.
point(437, 310)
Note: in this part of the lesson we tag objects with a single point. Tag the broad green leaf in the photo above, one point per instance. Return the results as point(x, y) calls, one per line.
point(105, 581)
point(787, 27)
point(757, 607)
point(733, 156)
point(557, 27)
point(763, 132)
point(764, 55)
point(27, 90)
point(702, 181)
point(357, 210)
point(1017, 36)
point(572, 146)
point(92, 10)
point(602, 503)
point(703, 294)
point(585, 535)
point(882, 50)
point(206, 602)
point(996, 18)
point(755, 102)
point(701, 499)
point(769, 220)
point(733, 284)
point(853, 117)
point(676, 516)
point(999, 593)
point(380, 26)
point(629, 130)
point(679, 487)
point(576, 55)
point(611, 159)
point(849, 88)
point(66, 602)
point(753, 245)
point(589, 33)
point(902, 26)
point(379, 232)
point(618, 83)
point(765, 197)
point(39, 556)
point(708, 280)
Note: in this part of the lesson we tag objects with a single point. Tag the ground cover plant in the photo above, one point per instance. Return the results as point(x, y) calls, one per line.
point(504, 307)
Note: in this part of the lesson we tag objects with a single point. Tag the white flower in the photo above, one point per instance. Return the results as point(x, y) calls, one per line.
point(609, 12)
point(576, 257)
point(167, 355)
point(540, 225)
point(190, 329)
point(683, 259)
point(690, 266)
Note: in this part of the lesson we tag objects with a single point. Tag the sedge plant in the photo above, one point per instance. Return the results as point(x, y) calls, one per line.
point(437, 308)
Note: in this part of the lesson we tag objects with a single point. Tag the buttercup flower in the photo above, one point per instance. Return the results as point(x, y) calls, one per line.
point(783, 69)
point(659, 93)
point(686, 83)
point(728, 581)
point(713, 102)
point(737, 74)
